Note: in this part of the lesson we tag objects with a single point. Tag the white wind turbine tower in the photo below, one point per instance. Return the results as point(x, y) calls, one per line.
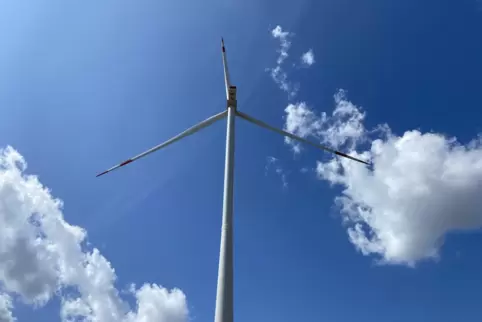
point(224, 296)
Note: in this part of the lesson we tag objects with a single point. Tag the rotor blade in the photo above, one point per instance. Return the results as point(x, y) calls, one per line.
point(188, 132)
point(294, 137)
point(227, 82)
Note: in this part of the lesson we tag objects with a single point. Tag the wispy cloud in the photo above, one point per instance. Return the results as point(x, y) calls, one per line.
point(285, 43)
point(343, 128)
point(274, 163)
point(44, 256)
point(308, 58)
point(278, 74)
point(304, 170)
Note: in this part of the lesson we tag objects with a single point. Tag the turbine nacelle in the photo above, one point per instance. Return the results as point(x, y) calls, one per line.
point(232, 97)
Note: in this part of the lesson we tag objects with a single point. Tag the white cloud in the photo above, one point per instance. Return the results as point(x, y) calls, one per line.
point(285, 43)
point(158, 304)
point(281, 78)
point(42, 256)
point(302, 121)
point(6, 308)
point(277, 73)
point(272, 162)
point(343, 128)
point(308, 58)
point(422, 187)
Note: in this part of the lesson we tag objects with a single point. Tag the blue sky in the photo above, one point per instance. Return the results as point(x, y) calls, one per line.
point(88, 84)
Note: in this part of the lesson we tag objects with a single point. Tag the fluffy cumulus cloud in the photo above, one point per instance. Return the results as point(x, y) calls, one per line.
point(156, 303)
point(43, 256)
point(308, 58)
point(420, 187)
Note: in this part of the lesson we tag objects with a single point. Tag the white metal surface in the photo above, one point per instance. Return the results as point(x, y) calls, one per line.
point(188, 132)
point(295, 137)
point(224, 294)
point(227, 81)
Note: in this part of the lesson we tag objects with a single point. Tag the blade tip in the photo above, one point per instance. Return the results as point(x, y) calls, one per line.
point(101, 174)
point(350, 157)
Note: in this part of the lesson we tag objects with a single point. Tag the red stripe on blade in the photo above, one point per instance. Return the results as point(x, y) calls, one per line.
point(124, 163)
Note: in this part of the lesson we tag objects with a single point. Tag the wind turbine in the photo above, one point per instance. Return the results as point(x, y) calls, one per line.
point(224, 295)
